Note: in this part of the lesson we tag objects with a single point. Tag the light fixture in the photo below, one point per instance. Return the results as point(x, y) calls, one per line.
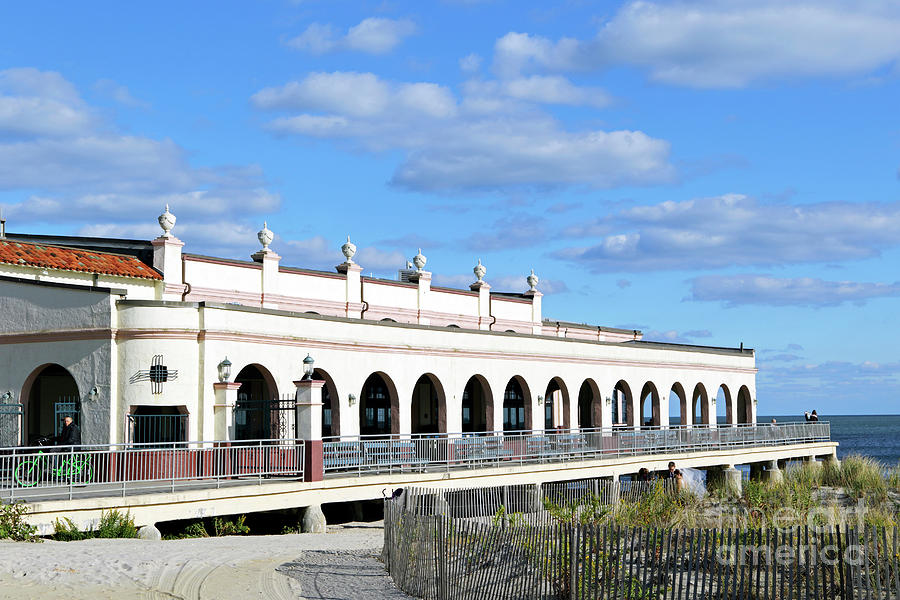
point(608, 400)
point(94, 394)
point(224, 370)
point(6, 397)
point(351, 399)
point(308, 368)
point(540, 399)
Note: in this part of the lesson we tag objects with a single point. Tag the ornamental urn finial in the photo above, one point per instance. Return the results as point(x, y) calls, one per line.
point(265, 236)
point(349, 249)
point(419, 260)
point(532, 281)
point(479, 270)
point(167, 222)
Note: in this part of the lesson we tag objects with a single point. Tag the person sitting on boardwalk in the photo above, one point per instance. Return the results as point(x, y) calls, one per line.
point(643, 474)
point(671, 472)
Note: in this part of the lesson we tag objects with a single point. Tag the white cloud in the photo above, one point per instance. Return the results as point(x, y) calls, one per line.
point(711, 43)
point(72, 166)
point(540, 89)
point(735, 290)
point(486, 140)
point(470, 63)
point(733, 230)
point(374, 35)
point(318, 252)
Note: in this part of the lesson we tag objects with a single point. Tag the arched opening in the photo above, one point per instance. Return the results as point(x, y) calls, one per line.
point(49, 395)
point(700, 405)
point(379, 406)
point(477, 406)
point(744, 406)
point(678, 406)
point(429, 406)
point(258, 414)
point(453, 326)
point(723, 405)
point(590, 410)
point(516, 405)
point(556, 405)
point(649, 392)
point(331, 407)
point(621, 405)
point(388, 320)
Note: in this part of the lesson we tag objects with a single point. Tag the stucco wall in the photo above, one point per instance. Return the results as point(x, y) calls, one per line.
point(350, 350)
point(78, 337)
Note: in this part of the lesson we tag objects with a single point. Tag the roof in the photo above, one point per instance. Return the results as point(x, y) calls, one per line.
point(70, 259)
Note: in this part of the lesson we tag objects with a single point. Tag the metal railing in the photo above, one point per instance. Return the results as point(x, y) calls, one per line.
point(398, 453)
point(64, 472)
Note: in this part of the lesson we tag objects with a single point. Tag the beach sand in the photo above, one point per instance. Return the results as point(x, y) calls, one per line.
point(340, 564)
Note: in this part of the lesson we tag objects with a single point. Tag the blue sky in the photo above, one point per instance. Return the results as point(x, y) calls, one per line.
point(711, 172)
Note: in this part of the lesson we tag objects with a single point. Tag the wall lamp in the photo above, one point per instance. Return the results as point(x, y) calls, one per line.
point(351, 399)
point(7, 397)
point(93, 394)
point(224, 370)
point(308, 367)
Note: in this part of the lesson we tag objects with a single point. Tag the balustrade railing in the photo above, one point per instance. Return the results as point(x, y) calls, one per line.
point(410, 452)
point(109, 469)
point(54, 472)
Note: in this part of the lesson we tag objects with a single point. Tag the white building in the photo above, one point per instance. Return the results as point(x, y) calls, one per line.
point(130, 335)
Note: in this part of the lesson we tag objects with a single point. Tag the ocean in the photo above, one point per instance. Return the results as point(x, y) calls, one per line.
point(876, 436)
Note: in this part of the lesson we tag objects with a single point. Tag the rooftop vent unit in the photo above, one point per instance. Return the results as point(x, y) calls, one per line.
point(405, 274)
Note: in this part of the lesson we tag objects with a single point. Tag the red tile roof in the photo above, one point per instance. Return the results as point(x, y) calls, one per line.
point(69, 259)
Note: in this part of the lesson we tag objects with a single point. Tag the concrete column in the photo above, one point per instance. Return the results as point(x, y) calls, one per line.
point(773, 473)
point(832, 460)
point(733, 481)
point(537, 327)
point(352, 288)
point(269, 288)
point(226, 397)
point(313, 520)
point(484, 304)
point(167, 260)
point(423, 279)
point(309, 427)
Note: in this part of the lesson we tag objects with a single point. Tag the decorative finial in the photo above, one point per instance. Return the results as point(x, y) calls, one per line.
point(265, 236)
point(349, 249)
point(479, 270)
point(419, 260)
point(167, 222)
point(532, 281)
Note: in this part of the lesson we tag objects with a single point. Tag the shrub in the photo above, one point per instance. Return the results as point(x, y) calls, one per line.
point(13, 525)
point(222, 527)
point(114, 524)
point(66, 530)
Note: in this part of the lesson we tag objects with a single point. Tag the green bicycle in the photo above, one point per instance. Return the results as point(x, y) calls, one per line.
point(72, 468)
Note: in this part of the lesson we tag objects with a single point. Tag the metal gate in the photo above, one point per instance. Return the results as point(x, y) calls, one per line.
point(11, 421)
point(156, 429)
point(65, 407)
point(265, 419)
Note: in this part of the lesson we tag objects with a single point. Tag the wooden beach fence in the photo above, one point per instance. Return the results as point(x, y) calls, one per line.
point(433, 554)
